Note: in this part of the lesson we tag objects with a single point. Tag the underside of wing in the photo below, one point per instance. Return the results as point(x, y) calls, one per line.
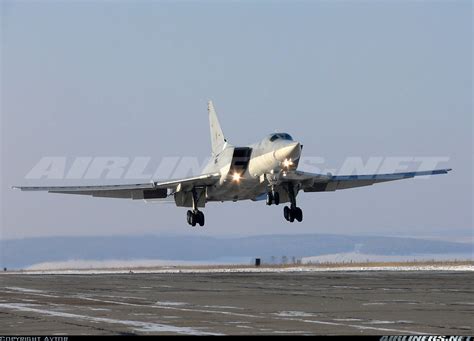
point(161, 191)
point(326, 183)
point(146, 191)
point(189, 183)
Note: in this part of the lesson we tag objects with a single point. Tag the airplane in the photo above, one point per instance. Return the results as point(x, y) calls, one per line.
point(266, 170)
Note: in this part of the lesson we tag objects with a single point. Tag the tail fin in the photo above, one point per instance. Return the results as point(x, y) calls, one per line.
point(217, 136)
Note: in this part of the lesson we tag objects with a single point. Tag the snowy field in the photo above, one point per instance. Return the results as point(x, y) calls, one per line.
point(461, 267)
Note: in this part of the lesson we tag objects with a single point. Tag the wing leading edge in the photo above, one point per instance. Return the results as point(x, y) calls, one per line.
point(147, 191)
point(327, 183)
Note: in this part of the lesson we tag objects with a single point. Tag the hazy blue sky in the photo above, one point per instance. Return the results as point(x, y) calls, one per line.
point(371, 78)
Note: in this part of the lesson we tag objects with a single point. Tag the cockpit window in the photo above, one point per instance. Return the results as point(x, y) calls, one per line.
point(282, 136)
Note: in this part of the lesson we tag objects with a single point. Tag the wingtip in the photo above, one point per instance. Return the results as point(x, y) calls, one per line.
point(443, 171)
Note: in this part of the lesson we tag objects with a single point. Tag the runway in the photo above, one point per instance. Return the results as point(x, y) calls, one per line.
point(365, 302)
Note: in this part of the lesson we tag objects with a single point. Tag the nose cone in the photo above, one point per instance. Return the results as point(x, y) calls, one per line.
point(289, 151)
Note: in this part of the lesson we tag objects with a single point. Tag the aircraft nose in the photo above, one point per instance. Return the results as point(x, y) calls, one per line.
point(290, 151)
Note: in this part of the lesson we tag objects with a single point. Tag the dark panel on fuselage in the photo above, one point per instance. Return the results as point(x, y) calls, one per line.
point(240, 159)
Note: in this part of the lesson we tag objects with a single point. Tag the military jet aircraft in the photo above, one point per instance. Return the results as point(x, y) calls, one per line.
point(266, 170)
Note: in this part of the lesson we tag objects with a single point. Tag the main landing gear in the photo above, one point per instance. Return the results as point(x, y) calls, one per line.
point(293, 212)
point(195, 216)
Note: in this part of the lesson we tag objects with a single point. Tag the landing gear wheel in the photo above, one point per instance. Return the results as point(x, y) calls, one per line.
point(286, 213)
point(292, 213)
point(276, 198)
point(195, 218)
point(269, 198)
point(291, 217)
point(189, 215)
point(298, 213)
point(200, 218)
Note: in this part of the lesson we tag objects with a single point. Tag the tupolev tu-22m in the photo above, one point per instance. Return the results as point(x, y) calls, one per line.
point(266, 170)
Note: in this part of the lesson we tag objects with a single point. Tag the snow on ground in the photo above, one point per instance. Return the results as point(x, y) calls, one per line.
point(136, 325)
point(362, 257)
point(352, 261)
point(24, 290)
point(135, 265)
point(243, 269)
point(293, 314)
point(171, 304)
point(79, 264)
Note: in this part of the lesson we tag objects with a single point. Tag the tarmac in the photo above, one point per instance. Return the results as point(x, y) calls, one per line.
point(335, 302)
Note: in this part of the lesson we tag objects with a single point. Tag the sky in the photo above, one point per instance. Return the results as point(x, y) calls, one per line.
point(132, 78)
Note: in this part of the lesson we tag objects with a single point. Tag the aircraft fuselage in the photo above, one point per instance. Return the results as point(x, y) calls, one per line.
point(246, 170)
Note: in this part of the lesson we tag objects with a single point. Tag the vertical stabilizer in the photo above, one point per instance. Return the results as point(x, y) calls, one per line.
point(217, 136)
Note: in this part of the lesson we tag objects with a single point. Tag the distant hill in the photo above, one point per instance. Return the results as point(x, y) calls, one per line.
point(20, 253)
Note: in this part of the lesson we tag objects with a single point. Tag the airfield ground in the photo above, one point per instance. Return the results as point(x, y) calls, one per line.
point(301, 302)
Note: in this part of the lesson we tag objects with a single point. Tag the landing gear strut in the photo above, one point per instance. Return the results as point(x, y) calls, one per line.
point(273, 197)
point(195, 216)
point(293, 212)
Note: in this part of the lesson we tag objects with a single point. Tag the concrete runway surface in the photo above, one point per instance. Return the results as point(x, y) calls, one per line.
point(239, 303)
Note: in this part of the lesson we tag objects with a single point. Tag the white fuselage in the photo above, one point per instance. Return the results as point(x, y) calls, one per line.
point(249, 176)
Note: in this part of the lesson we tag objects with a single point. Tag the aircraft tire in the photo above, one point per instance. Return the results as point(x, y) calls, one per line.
point(286, 213)
point(291, 216)
point(269, 198)
point(200, 218)
point(188, 216)
point(276, 198)
point(298, 214)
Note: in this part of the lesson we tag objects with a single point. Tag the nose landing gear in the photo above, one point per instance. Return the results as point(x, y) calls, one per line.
point(273, 197)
